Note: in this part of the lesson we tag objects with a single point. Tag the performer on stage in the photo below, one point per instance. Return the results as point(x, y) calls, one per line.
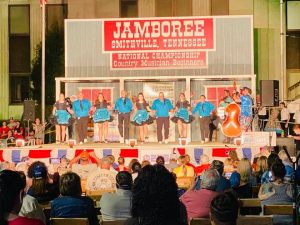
point(124, 107)
point(284, 118)
point(246, 109)
point(226, 100)
point(162, 106)
point(81, 109)
point(102, 117)
point(142, 117)
point(182, 115)
point(61, 111)
point(204, 109)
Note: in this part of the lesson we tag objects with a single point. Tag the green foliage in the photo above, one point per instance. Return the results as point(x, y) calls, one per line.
point(54, 67)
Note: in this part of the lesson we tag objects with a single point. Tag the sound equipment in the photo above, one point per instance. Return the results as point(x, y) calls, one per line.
point(269, 93)
point(29, 110)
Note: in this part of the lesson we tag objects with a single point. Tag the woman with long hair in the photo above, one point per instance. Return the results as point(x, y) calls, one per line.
point(102, 117)
point(261, 167)
point(61, 111)
point(11, 198)
point(155, 199)
point(182, 115)
point(142, 117)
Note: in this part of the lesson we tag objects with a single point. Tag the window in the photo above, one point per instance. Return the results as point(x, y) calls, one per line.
point(129, 8)
point(168, 8)
point(56, 14)
point(19, 52)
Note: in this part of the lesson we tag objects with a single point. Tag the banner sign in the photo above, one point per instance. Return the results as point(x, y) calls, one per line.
point(159, 34)
point(259, 139)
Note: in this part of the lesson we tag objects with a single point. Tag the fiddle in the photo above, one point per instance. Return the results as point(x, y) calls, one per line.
point(231, 126)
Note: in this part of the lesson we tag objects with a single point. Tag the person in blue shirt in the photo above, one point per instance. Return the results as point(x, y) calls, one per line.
point(162, 106)
point(81, 108)
point(142, 117)
point(246, 109)
point(204, 109)
point(123, 106)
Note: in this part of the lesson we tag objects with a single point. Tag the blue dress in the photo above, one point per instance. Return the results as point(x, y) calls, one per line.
point(182, 112)
point(62, 116)
point(142, 116)
point(101, 114)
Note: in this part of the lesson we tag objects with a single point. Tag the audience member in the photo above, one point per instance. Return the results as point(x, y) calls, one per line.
point(197, 202)
point(267, 176)
point(116, 206)
point(130, 164)
point(223, 183)
point(287, 164)
point(11, 125)
point(145, 163)
point(228, 167)
point(121, 165)
point(18, 131)
point(11, 198)
point(224, 209)
point(261, 167)
point(204, 165)
point(183, 170)
point(234, 158)
point(112, 160)
point(188, 161)
point(160, 160)
point(155, 200)
point(10, 140)
point(172, 163)
point(135, 168)
point(3, 130)
point(70, 203)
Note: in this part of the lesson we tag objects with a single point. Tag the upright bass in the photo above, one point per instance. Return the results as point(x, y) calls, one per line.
point(231, 126)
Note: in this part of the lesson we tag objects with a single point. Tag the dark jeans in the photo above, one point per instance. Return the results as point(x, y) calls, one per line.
point(81, 128)
point(285, 130)
point(204, 127)
point(212, 127)
point(123, 124)
point(162, 122)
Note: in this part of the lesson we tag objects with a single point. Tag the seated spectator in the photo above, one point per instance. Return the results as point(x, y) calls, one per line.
point(188, 161)
point(197, 202)
point(130, 164)
point(223, 183)
point(11, 125)
point(11, 140)
point(145, 163)
point(173, 163)
point(228, 167)
point(204, 161)
point(11, 195)
point(183, 170)
point(287, 164)
point(135, 168)
point(103, 178)
point(39, 131)
point(112, 159)
point(18, 131)
point(70, 203)
point(116, 206)
point(224, 209)
point(121, 165)
point(234, 158)
point(267, 176)
point(261, 167)
point(43, 188)
point(160, 160)
point(155, 200)
point(4, 130)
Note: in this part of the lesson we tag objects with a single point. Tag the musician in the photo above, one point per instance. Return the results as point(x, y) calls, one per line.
point(61, 111)
point(204, 109)
point(284, 118)
point(124, 107)
point(102, 117)
point(81, 108)
point(226, 100)
point(142, 117)
point(246, 109)
point(182, 117)
point(162, 106)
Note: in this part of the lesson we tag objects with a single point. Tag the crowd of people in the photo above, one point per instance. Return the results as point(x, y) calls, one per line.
point(142, 194)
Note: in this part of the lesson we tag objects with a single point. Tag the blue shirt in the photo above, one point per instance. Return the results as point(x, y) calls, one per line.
point(123, 108)
point(84, 111)
point(162, 108)
point(207, 109)
point(246, 105)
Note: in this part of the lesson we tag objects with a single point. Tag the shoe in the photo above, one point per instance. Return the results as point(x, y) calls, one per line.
point(206, 140)
point(202, 142)
point(160, 142)
point(146, 139)
point(85, 140)
point(106, 141)
point(127, 142)
point(122, 140)
point(166, 141)
point(81, 143)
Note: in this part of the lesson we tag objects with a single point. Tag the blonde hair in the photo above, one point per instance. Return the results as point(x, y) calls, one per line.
point(233, 155)
point(145, 163)
point(204, 159)
point(283, 156)
point(244, 169)
point(261, 164)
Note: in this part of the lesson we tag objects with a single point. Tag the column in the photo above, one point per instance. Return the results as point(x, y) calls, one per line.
point(146, 8)
point(201, 7)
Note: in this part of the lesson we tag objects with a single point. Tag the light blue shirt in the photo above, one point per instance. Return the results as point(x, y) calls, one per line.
point(123, 108)
point(84, 111)
point(162, 108)
point(246, 105)
point(205, 110)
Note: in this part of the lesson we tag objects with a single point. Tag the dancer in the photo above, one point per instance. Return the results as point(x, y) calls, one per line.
point(102, 117)
point(142, 117)
point(204, 109)
point(81, 109)
point(182, 115)
point(246, 109)
point(61, 112)
point(124, 107)
point(162, 106)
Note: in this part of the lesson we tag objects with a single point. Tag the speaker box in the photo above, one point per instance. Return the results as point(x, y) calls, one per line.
point(29, 110)
point(269, 92)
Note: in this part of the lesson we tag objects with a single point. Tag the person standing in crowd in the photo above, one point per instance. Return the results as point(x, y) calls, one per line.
point(142, 117)
point(61, 111)
point(204, 109)
point(246, 109)
point(39, 131)
point(182, 115)
point(102, 117)
point(124, 107)
point(162, 106)
point(11, 125)
point(284, 118)
point(81, 108)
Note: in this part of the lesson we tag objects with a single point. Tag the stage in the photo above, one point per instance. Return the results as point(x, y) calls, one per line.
point(146, 151)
